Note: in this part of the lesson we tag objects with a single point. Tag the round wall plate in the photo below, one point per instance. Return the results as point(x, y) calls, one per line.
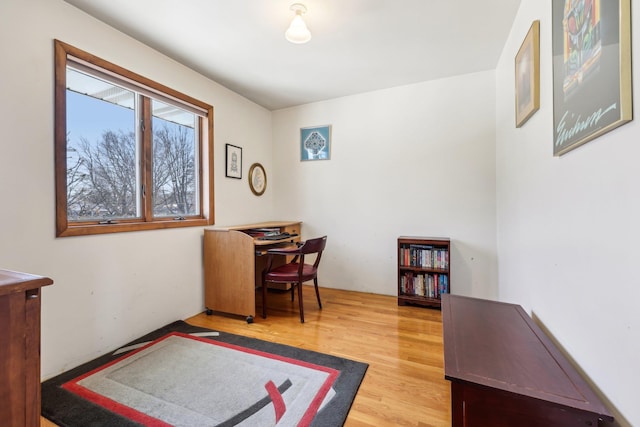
point(257, 179)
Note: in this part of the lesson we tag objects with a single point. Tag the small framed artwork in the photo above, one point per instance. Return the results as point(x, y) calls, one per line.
point(591, 44)
point(257, 179)
point(528, 75)
point(315, 143)
point(233, 161)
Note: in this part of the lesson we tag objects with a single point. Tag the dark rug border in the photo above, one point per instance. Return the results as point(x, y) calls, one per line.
point(69, 410)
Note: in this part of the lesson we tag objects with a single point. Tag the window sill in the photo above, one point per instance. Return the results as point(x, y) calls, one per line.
point(92, 229)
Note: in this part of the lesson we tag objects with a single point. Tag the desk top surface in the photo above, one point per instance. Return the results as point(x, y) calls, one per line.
point(242, 229)
point(498, 345)
point(266, 224)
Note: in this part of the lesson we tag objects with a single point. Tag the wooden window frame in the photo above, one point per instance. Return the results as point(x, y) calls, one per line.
point(64, 227)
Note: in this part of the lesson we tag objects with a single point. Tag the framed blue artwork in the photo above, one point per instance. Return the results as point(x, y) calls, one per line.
point(315, 143)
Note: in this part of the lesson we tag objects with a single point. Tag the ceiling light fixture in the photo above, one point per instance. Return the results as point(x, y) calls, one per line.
point(298, 31)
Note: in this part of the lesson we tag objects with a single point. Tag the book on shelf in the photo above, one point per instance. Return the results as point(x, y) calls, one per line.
point(424, 285)
point(423, 256)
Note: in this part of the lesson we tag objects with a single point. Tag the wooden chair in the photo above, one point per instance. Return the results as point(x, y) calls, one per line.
point(295, 272)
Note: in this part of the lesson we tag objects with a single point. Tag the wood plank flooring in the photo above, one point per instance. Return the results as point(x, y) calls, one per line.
point(404, 385)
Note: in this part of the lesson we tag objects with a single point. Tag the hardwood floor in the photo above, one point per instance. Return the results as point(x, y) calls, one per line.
point(404, 384)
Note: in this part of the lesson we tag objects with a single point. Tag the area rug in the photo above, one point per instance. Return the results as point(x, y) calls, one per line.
point(183, 375)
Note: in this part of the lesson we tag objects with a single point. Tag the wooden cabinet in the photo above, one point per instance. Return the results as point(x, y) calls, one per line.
point(423, 270)
point(505, 371)
point(20, 348)
point(233, 262)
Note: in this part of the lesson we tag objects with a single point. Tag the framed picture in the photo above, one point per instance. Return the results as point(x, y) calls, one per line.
point(257, 179)
point(528, 75)
point(591, 70)
point(315, 143)
point(233, 161)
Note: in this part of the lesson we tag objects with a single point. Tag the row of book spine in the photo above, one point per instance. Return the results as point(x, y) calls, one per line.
point(424, 256)
point(426, 285)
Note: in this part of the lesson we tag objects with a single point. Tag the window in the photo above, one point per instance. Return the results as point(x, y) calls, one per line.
point(131, 154)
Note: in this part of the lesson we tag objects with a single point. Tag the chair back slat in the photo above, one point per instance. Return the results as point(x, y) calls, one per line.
point(313, 246)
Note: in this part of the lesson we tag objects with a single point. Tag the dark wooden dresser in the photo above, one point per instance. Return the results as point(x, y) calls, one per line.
point(506, 372)
point(20, 348)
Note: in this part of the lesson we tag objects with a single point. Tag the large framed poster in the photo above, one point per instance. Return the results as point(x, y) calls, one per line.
point(591, 70)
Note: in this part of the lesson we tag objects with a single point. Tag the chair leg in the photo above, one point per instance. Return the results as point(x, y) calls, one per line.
point(264, 300)
point(299, 284)
point(315, 283)
point(293, 287)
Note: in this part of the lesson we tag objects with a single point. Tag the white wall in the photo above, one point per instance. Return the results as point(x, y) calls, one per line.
point(111, 288)
point(568, 228)
point(412, 160)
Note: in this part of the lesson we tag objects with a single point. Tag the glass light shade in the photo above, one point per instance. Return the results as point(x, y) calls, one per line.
point(298, 31)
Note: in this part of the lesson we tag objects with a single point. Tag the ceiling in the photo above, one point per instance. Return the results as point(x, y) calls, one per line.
point(357, 45)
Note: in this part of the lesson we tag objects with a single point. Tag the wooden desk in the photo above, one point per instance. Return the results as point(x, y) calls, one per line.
point(233, 265)
point(20, 348)
point(504, 370)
